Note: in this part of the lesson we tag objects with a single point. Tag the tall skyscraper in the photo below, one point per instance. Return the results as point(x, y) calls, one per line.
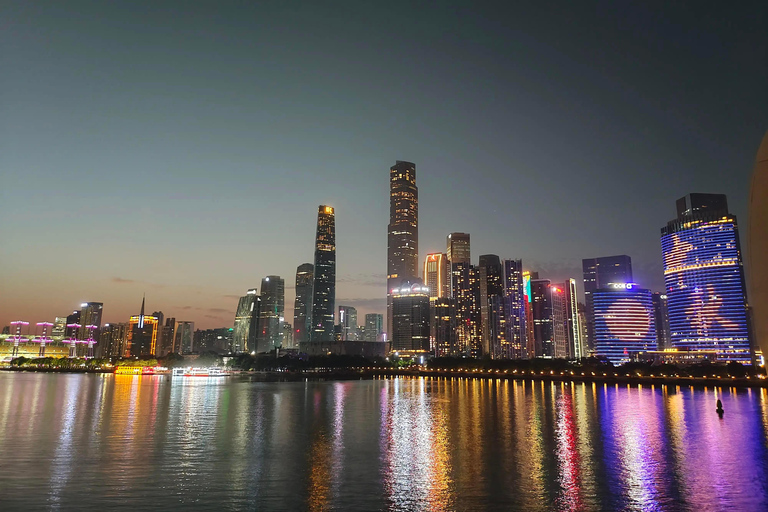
point(491, 307)
point(302, 305)
point(543, 324)
point(457, 250)
point(410, 307)
point(348, 323)
point(246, 328)
point(90, 315)
point(624, 321)
point(403, 230)
point(466, 290)
point(514, 309)
point(704, 278)
point(442, 329)
point(598, 272)
point(142, 334)
point(437, 275)
point(185, 337)
point(324, 282)
point(159, 343)
point(113, 339)
point(374, 327)
point(758, 247)
point(661, 319)
point(530, 335)
point(560, 339)
point(575, 341)
point(167, 332)
point(271, 314)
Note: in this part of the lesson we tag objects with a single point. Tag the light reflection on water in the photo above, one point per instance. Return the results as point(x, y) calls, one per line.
point(93, 442)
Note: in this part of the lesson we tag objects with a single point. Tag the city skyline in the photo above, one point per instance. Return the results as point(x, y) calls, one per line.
point(200, 162)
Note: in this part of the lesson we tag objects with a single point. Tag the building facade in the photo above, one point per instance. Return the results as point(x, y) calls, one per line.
point(411, 319)
point(598, 272)
point(374, 327)
point(624, 321)
point(324, 281)
point(758, 247)
point(302, 305)
point(271, 314)
point(348, 323)
point(514, 309)
point(436, 275)
point(246, 328)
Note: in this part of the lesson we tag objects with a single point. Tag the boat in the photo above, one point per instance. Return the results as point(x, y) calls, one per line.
point(141, 370)
point(201, 372)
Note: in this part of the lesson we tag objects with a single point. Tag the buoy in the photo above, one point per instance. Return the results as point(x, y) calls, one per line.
point(720, 409)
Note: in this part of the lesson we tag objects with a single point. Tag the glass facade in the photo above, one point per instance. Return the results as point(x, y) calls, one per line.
point(246, 323)
point(302, 305)
point(624, 322)
point(704, 278)
point(324, 289)
point(514, 309)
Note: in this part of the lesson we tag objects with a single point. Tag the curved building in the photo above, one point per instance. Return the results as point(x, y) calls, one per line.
point(758, 247)
point(624, 321)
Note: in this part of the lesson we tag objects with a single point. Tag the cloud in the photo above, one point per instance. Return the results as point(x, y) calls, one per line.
point(231, 296)
point(379, 304)
point(364, 279)
point(122, 281)
point(218, 310)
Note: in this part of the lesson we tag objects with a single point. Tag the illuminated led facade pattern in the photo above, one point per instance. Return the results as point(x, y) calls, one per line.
point(624, 321)
point(302, 305)
point(575, 340)
point(403, 229)
point(142, 334)
point(598, 272)
point(436, 275)
point(324, 288)
point(704, 278)
point(411, 319)
point(246, 323)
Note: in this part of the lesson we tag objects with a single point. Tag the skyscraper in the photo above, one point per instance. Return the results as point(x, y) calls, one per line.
point(167, 332)
point(403, 230)
point(271, 314)
point(90, 315)
point(543, 325)
point(113, 339)
point(560, 339)
point(758, 247)
point(374, 327)
point(185, 337)
point(442, 329)
point(575, 341)
point(246, 328)
point(624, 321)
point(466, 291)
point(302, 305)
point(142, 334)
point(598, 272)
point(491, 307)
point(514, 309)
point(704, 278)
point(324, 282)
point(457, 250)
point(348, 323)
point(410, 307)
point(437, 275)
point(661, 319)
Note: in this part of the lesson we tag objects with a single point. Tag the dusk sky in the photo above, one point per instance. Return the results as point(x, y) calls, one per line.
point(181, 149)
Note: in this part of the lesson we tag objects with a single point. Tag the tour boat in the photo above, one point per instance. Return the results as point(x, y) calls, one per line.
point(201, 372)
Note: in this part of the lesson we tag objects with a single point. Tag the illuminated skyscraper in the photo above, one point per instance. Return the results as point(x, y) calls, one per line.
point(167, 332)
point(624, 321)
point(113, 339)
point(403, 230)
point(302, 305)
point(706, 295)
point(514, 309)
point(466, 290)
point(374, 327)
point(246, 328)
point(598, 272)
point(410, 307)
point(758, 247)
point(348, 323)
point(560, 339)
point(661, 319)
point(492, 320)
point(185, 337)
point(90, 314)
point(543, 326)
point(530, 335)
point(437, 275)
point(142, 335)
point(271, 314)
point(324, 282)
point(442, 329)
point(573, 316)
point(457, 249)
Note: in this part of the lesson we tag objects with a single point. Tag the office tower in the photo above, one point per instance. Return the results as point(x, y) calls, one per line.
point(160, 342)
point(704, 278)
point(575, 340)
point(271, 314)
point(59, 327)
point(246, 328)
point(624, 321)
point(436, 275)
point(302, 305)
point(212, 340)
point(514, 309)
point(185, 337)
point(74, 320)
point(410, 322)
point(142, 335)
point(374, 327)
point(661, 320)
point(583, 329)
point(90, 315)
point(466, 291)
point(543, 328)
point(403, 230)
point(166, 335)
point(348, 323)
point(324, 282)
point(442, 329)
point(287, 340)
point(530, 337)
point(598, 272)
point(457, 250)
point(491, 286)
point(758, 248)
point(113, 339)
point(560, 337)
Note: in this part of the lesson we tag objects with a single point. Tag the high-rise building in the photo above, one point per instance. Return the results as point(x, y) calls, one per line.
point(287, 341)
point(160, 341)
point(758, 248)
point(624, 321)
point(271, 314)
point(142, 335)
point(374, 327)
point(410, 307)
point(457, 250)
point(583, 329)
point(466, 290)
point(185, 337)
point(442, 329)
point(90, 315)
point(514, 309)
point(491, 306)
point(213, 340)
point(166, 335)
point(324, 282)
point(530, 336)
point(348, 323)
point(575, 340)
point(113, 339)
point(543, 324)
point(704, 278)
point(246, 328)
point(661, 320)
point(560, 339)
point(302, 305)
point(403, 230)
point(598, 272)
point(74, 321)
point(437, 275)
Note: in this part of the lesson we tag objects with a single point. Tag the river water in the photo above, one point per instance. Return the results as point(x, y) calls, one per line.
point(106, 442)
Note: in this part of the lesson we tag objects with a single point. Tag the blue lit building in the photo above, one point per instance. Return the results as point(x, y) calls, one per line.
point(704, 278)
point(624, 321)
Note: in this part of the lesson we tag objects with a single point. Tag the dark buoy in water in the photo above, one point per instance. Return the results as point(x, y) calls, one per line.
point(720, 409)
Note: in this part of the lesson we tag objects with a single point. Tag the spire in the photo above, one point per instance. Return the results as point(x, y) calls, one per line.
point(142, 304)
